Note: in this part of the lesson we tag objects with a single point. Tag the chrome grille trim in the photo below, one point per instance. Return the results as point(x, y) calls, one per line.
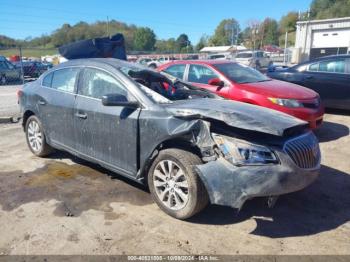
point(304, 150)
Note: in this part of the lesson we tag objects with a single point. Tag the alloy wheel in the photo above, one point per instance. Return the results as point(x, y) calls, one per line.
point(35, 136)
point(171, 185)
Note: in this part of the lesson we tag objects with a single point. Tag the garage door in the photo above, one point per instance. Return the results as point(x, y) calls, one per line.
point(331, 38)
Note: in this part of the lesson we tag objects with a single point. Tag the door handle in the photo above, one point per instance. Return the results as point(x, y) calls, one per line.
point(309, 77)
point(41, 102)
point(81, 115)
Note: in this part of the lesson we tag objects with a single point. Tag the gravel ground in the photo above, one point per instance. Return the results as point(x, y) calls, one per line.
point(8, 98)
point(64, 205)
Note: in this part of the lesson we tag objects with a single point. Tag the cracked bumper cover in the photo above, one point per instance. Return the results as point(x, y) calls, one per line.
point(231, 185)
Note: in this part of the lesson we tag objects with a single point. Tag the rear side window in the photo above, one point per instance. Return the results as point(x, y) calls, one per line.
point(47, 80)
point(64, 79)
point(335, 66)
point(176, 70)
point(97, 83)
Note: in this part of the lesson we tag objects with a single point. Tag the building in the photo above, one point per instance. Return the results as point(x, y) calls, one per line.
point(222, 49)
point(316, 38)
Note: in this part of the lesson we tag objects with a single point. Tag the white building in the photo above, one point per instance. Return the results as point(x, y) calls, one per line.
point(316, 38)
point(222, 49)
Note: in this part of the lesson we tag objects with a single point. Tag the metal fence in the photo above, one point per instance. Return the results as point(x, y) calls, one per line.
point(18, 65)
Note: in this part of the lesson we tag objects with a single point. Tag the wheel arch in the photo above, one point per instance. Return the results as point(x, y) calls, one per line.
point(176, 143)
point(26, 115)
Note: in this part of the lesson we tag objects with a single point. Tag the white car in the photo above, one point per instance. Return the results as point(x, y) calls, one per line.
point(255, 59)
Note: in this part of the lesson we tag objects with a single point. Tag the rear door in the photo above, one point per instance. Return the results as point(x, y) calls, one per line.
point(105, 133)
point(330, 78)
point(55, 102)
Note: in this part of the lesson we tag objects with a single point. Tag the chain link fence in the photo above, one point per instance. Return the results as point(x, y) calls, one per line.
point(19, 65)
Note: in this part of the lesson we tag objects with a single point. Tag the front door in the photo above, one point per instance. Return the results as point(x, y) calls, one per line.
point(200, 75)
point(105, 133)
point(330, 79)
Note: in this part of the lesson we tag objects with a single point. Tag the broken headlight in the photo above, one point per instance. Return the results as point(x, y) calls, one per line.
point(240, 152)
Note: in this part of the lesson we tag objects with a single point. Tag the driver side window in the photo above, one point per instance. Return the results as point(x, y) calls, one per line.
point(97, 83)
point(200, 74)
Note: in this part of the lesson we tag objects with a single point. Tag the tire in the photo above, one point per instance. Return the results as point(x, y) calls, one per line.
point(197, 196)
point(35, 137)
point(257, 66)
point(3, 80)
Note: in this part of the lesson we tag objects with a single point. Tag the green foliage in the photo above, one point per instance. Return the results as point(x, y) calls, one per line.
point(223, 32)
point(166, 46)
point(144, 39)
point(288, 22)
point(182, 43)
point(203, 42)
point(323, 9)
point(269, 31)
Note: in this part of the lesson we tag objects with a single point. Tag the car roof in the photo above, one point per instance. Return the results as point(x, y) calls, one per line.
point(99, 61)
point(325, 58)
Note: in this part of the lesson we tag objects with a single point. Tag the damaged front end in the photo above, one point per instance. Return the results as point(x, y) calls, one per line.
point(244, 170)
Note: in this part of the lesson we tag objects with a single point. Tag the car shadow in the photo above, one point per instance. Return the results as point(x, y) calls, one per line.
point(323, 206)
point(330, 131)
point(61, 155)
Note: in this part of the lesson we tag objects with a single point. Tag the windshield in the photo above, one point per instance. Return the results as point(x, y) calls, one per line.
point(241, 73)
point(163, 88)
point(244, 55)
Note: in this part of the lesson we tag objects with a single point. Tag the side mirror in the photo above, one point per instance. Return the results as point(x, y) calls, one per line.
point(118, 100)
point(216, 82)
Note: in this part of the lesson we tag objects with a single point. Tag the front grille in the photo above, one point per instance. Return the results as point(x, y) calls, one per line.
point(304, 150)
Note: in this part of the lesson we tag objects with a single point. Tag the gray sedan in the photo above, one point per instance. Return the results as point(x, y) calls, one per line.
point(188, 145)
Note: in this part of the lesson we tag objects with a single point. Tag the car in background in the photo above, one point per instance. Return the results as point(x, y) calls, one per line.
point(273, 49)
point(329, 76)
point(188, 145)
point(218, 57)
point(255, 59)
point(242, 83)
point(32, 69)
point(8, 72)
point(160, 61)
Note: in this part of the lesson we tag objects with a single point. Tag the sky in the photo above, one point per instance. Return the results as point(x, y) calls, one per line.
point(168, 18)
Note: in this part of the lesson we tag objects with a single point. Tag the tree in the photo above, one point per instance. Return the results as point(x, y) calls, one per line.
point(223, 32)
point(203, 42)
point(144, 39)
point(323, 9)
point(288, 24)
point(269, 32)
point(166, 46)
point(183, 43)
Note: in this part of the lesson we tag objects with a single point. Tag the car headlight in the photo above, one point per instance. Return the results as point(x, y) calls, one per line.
point(240, 152)
point(286, 102)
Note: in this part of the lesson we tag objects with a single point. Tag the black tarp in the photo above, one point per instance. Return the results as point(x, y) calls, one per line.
point(95, 48)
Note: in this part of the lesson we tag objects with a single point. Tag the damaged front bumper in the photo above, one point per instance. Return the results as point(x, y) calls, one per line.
point(231, 185)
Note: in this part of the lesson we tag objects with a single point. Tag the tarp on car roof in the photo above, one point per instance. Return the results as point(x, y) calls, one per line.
point(103, 47)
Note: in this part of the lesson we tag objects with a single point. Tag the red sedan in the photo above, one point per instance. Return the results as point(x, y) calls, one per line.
point(242, 83)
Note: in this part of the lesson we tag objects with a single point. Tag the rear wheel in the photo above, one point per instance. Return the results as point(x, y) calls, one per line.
point(36, 139)
point(174, 184)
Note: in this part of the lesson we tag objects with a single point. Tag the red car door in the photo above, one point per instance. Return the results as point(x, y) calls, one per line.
point(200, 75)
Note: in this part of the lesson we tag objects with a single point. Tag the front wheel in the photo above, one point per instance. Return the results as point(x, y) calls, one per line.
point(36, 139)
point(174, 184)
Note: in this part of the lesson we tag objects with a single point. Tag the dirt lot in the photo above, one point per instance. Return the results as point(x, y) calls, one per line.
point(64, 205)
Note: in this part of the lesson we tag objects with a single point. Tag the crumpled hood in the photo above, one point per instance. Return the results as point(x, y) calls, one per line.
point(237, 114)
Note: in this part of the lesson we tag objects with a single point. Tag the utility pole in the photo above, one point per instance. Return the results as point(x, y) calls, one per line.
point(109, 35)
point(20, 57)
point(285, 48)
